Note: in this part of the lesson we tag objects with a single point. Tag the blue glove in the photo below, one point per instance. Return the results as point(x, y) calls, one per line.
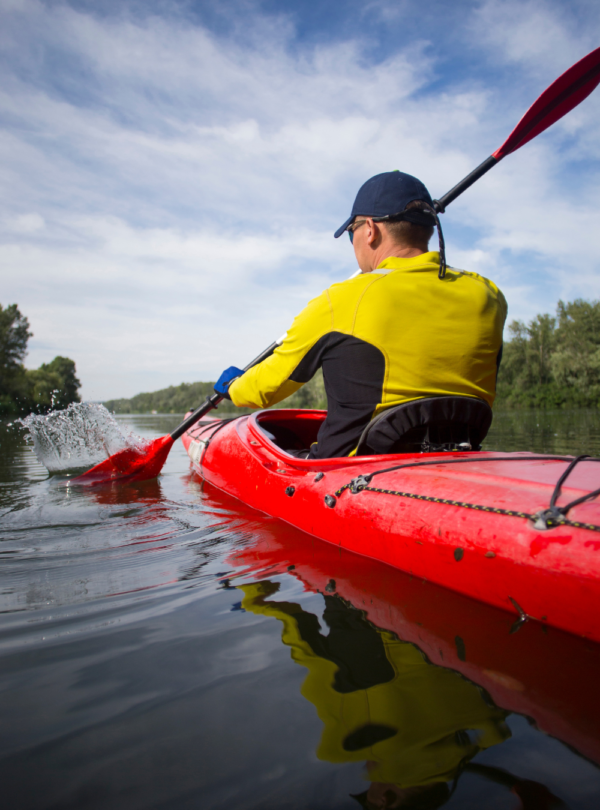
point(227, 377)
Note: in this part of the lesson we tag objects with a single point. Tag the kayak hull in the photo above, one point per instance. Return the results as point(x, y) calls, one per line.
point(442, 522)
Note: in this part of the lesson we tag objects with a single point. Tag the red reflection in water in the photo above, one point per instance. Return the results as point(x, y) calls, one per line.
point(533, 670)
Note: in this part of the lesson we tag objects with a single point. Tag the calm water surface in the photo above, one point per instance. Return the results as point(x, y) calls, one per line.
point(162, 646)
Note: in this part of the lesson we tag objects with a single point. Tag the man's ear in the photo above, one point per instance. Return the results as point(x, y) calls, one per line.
point(373, 232)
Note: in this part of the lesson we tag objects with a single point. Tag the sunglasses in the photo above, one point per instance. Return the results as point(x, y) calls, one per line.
point(351, 228)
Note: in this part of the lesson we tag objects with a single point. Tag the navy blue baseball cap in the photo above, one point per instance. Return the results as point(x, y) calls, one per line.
point(386, 196)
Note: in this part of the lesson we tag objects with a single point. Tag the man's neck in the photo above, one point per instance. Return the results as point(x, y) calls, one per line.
point(385, 250)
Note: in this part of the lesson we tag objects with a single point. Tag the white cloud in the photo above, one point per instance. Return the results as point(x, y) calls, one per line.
point(539, 34)
point(172, 194)
point(25, 223)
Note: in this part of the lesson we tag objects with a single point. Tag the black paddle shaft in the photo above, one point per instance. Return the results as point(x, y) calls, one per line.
point(212, 401)
point(465, 183)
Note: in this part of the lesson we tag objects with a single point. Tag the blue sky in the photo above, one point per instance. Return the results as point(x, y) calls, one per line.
point(173, 172)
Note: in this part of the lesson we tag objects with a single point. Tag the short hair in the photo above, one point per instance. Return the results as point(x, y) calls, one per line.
point(409, 234)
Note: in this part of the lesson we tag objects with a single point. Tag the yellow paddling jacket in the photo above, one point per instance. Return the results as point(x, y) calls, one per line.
point(384, 338)
point(378, 698)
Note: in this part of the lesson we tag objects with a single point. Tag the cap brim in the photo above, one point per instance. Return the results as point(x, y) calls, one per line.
point(341, 230)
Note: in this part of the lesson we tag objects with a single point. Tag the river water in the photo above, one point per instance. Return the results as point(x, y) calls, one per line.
point(163, 646)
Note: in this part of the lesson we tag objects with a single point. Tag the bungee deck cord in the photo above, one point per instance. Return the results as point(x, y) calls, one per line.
point(549, 518)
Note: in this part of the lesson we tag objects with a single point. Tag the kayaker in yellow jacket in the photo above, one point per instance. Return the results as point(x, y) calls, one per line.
point(406, 328)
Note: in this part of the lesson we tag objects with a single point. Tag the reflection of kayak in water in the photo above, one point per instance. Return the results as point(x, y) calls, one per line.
point(541, 673)
point(378, 698)
point(462, 520)
point(415, 725)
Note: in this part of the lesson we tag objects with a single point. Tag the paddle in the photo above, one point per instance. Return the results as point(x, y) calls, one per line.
point(136, 464)
point(563, 95)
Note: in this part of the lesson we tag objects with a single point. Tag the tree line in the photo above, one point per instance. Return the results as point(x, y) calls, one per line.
point(551, 362)
point(174, 399)
point(52, 386)
point(181, 398)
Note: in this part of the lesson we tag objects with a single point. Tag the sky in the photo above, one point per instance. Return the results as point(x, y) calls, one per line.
point(173, 171)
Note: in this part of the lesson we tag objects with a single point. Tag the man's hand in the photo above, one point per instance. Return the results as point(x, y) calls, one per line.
point(227, 377)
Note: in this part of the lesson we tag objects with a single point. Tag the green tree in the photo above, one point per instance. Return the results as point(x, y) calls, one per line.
point(579, 324)
point(41, 387)
point(576, 362)
point(513, 369)
point(553, 362)
point(542, 339)
point(53, 385)
point(68, 389)
point(14, 335)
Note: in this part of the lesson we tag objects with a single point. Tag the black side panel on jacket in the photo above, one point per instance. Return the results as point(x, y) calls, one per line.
point(354, 372)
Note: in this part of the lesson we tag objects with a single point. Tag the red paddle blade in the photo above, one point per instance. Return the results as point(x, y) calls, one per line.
point(566, 92)
point(139, 464)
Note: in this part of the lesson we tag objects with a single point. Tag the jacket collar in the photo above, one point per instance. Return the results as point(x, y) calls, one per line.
point(425, 261)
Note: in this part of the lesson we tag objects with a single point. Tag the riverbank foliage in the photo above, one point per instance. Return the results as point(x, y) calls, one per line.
point(22, 391)
point(551, 362)
point(184, 397)
point(175, 399)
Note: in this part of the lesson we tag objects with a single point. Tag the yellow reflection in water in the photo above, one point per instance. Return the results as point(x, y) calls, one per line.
point(380, 701)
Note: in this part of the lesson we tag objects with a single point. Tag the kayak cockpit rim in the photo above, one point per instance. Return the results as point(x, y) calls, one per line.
point(283, 415)
point(259, 437)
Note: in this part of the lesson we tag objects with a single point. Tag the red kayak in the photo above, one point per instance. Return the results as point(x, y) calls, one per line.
point(516, 530)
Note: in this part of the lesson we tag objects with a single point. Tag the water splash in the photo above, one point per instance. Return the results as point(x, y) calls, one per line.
point(78, 437)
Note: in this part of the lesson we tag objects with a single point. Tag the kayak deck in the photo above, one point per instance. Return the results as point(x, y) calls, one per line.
point(464, 520)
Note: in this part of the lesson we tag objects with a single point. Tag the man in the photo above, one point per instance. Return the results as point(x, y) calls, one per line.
point(404, 329)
